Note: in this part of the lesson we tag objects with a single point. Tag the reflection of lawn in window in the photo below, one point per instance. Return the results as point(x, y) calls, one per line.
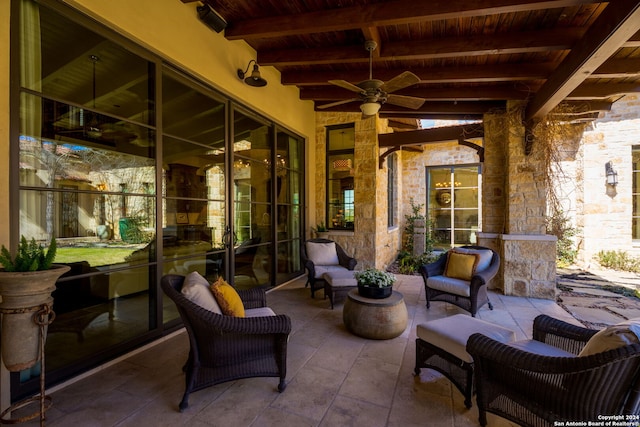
point(94, 256)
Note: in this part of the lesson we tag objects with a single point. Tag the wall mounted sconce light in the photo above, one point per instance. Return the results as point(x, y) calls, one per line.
point(211, 18)
point(612, 175)
point(255, 79)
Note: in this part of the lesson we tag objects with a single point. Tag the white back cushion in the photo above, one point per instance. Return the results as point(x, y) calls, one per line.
point(322, 253)
point(196, 289)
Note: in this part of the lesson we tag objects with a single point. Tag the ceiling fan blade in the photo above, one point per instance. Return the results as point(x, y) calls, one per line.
point(401, 81)
point(346, 85)
point(405, 101)
point(334, 104)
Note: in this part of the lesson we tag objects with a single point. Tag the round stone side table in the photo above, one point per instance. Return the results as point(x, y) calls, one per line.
point(378, 319)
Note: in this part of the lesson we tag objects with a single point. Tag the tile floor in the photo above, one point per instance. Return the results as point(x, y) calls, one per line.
point(334, 378)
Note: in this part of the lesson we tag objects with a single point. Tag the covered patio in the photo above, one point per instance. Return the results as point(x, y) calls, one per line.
point(334, 378)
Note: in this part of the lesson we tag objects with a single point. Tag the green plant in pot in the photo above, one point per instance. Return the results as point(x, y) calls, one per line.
point(321, 230)
point(374, 283)
point(27, 280)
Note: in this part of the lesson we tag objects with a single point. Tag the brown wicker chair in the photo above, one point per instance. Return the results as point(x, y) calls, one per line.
point(476, 288)
point(226, 348)
point(314, 278)
point(535, 390)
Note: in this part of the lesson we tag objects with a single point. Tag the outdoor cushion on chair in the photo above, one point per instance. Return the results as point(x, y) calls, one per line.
point(226, 348)
point(460, 277)
point(542, 381)
point(322, 256)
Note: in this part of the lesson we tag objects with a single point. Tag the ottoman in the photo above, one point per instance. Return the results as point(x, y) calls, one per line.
point(338, 283)
point(441, 345)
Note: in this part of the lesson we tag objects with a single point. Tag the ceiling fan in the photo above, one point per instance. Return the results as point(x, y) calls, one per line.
point(373, 93)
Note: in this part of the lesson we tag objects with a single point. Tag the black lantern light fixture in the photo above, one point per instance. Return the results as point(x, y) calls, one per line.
point(255, 79)
point(612, 175)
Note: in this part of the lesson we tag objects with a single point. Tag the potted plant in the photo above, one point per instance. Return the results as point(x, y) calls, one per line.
point(26, 283)
point(374, 283)
point(321, 230)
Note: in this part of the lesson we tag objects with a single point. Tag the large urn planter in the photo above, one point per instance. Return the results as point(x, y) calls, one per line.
point(22, 293)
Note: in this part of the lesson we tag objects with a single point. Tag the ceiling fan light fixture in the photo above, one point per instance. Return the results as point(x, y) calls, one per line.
point(255, 79)
point(370, 108)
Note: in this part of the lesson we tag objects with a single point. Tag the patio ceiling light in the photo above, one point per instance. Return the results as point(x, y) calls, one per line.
point(369, 108)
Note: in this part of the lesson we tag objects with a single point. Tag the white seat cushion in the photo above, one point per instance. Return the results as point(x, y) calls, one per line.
point(259, 312)
point(340, 279)
point(321, 269)
point(449, 285)
point(196, 289)
point(322, 253)
point(452, 333)
point(540, 348)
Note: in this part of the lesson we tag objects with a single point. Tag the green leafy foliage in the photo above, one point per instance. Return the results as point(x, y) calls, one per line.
point(618, 260)
point(30, 256)
point(409, 264)
point(375, 278)
point(559, 225)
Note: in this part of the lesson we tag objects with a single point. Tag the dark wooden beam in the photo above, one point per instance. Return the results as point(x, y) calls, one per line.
point(580, 107)
point(382, 14)
point(433, 116)
point(615, 25)
point(451, 74)
point(426, 136)
point(490, 44)
point(436, 93)
point(588, 91)
point(617, 68)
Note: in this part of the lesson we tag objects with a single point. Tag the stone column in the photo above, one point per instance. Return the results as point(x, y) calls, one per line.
point(419, 237)
point(528, 254)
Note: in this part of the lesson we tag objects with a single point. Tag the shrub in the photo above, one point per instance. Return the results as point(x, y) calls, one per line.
point(559, 225)
point(618, 260)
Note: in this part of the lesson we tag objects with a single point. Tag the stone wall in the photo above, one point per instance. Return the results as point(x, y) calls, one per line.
point(514, 209)
point(372, 243)
point(603, 214)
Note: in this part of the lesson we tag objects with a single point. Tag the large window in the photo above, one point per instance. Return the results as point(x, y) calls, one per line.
point(392, 191)
point(453, 204)
point(635, 224)
point(340, 171)
point(129, 200)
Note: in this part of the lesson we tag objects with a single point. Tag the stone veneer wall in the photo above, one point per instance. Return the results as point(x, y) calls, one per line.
point(603, 214)
point(528, 254)
point(372, 243)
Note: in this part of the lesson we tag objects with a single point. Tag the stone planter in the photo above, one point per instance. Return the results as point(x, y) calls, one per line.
point(20, 334)
point(374, 292)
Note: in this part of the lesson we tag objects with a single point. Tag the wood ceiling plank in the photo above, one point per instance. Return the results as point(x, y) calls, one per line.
point(382, 14)
point(450, 74)
point(492, 44)
point(617, 68)
point(615, 25)
point(475, 93)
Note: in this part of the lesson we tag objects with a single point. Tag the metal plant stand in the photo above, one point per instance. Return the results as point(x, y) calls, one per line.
point(43, 315)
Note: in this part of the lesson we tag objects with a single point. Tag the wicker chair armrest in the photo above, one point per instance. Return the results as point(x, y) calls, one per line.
point(347, 262)
point(220, 324)
point(309, 265)
point(561, 334)
point(482, 347)
point(435, 268)
point(253, 298)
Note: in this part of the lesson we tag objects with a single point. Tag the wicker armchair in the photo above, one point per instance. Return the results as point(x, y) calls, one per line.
point(535, 390)
point(314, 279)
point(226, 348)
point(469, 296)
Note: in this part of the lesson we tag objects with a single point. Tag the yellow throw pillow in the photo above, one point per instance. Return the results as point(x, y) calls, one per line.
point(227, 298)
point(460, 266)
